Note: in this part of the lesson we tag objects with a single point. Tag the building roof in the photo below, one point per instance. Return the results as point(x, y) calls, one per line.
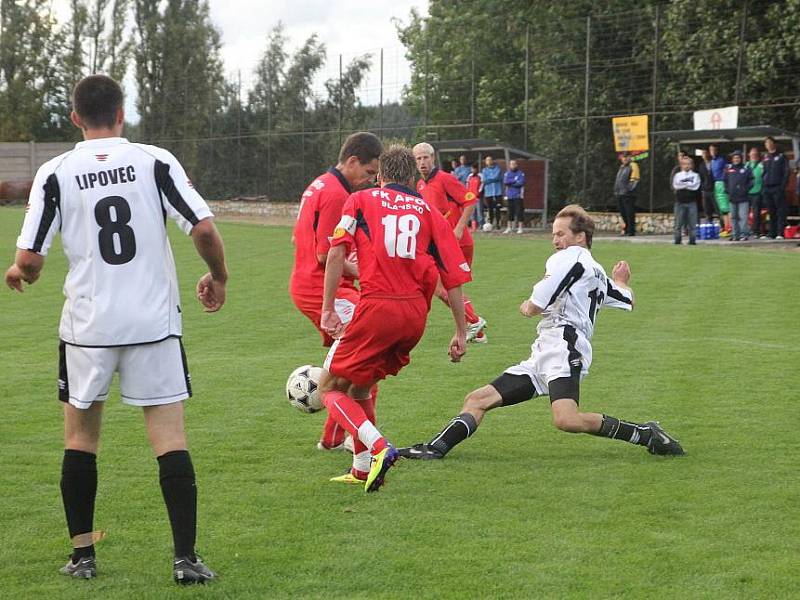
point(481, 145)
point(739, 134)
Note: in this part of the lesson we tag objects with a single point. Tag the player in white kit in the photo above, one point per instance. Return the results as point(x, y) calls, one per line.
point(569, 298)
point(110, 200)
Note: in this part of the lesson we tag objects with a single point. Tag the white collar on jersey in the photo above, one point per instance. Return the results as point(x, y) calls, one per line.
point(107, 141)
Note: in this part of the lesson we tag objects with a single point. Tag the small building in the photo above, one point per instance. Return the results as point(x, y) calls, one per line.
point(535, 167)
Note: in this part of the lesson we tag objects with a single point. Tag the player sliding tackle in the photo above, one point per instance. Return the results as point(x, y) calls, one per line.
point(403, 248)
point(569, 297)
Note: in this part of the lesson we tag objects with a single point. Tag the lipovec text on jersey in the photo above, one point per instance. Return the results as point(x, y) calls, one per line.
point(106, 177)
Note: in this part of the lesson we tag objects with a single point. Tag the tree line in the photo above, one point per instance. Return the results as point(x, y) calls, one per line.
point(469, 79)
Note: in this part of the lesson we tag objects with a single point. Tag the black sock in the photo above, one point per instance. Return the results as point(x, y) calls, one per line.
point(457, 430)
point(78, 491)
point(176, 475)
point(617, 429)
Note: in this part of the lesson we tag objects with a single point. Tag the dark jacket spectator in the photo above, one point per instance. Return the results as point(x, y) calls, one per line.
point(776, 169)
point(738, 179)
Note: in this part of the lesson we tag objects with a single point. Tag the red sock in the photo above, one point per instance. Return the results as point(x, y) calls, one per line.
point(469, 312)
point(350, 414)
point(332, 434)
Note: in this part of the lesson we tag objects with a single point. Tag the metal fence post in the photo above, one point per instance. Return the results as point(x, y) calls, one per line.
point(742, 34)
point(527, 87)
point(472, 100)
point(340, 100)
point(586, 107)
point(654, 108)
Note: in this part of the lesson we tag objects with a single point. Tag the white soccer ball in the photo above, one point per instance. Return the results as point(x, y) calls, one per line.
point(487, 226)
point(302, 389)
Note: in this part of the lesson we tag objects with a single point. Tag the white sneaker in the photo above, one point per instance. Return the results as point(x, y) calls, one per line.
point(778, 237)
point(519, 229)
point(762, 237)
point(481, 338)
point(507, 230)
point(474, 328)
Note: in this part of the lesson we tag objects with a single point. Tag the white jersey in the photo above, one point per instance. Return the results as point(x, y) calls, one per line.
point(110, 199)
point(574, 289)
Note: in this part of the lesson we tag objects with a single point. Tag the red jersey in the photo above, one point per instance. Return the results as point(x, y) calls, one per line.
point(474, 184)
point(320, 211)
point(399, 240)
point(446, 194)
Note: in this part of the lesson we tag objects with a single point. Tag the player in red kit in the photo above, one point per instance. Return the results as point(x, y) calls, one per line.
point(445, 193)
point(402, 246)
point(320, 211)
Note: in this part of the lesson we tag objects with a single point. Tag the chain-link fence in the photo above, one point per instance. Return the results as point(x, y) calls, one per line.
point(598, 67)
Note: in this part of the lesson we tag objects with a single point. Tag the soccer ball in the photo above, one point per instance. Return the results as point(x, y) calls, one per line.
point(301, 389)
point(487, 226)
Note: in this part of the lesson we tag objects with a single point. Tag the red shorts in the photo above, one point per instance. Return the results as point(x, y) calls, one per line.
point(378, 341)
point(468, 252)
point(311, 307)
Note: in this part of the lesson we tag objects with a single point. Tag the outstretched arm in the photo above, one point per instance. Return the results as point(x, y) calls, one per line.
point(211, 286)
point(27, 267)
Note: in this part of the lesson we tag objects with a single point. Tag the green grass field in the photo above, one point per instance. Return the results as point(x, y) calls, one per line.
point(519, 510)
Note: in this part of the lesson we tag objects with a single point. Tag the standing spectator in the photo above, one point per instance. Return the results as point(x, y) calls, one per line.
point(718, 171)
point(493, 190)
point(475, 185)
point(738, 180)
point(776, 174)
point(453, 166)
point(514, 180)
point(755, 191)
point(462, 171)
point(707, 186)
point(625, 191)
point(678, 167)
point(686, 184)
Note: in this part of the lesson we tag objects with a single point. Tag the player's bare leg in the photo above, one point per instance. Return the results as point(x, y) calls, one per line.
point(79, 485)
point(476, 404)
point(350, 405)
point(165, 430)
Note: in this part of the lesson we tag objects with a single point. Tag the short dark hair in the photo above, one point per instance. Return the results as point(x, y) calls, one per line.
point(714, 146)
point(397, 165)
point(365, 146)
point(769, 137)
point(581, 221)
point(96, 99)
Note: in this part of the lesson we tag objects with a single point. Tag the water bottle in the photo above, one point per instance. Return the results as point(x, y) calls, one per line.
point(704, 231)
point(698, 234)
point(716, 230)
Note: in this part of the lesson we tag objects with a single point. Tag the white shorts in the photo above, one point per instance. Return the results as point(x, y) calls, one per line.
point(149, 374)
point(557, 352)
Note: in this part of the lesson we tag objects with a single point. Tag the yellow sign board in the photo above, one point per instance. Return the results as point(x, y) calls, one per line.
point(630, 133)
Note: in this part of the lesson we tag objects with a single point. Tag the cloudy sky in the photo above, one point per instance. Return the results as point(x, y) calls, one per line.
point(347, 27)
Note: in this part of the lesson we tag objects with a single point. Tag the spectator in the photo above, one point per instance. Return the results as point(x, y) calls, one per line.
point(707, 186)
point(514, 180)
point(625, 191)
point(475, 185)
point(755, 192)
point(776, 174)
point(738, 180)
point(453, 166)
point(462, 171)
point(686, 184)
point(718, 171)
point(678, 167)
point(492, 190)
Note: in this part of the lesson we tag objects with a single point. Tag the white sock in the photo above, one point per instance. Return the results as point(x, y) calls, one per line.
point(368, 434)
point(362, 461)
